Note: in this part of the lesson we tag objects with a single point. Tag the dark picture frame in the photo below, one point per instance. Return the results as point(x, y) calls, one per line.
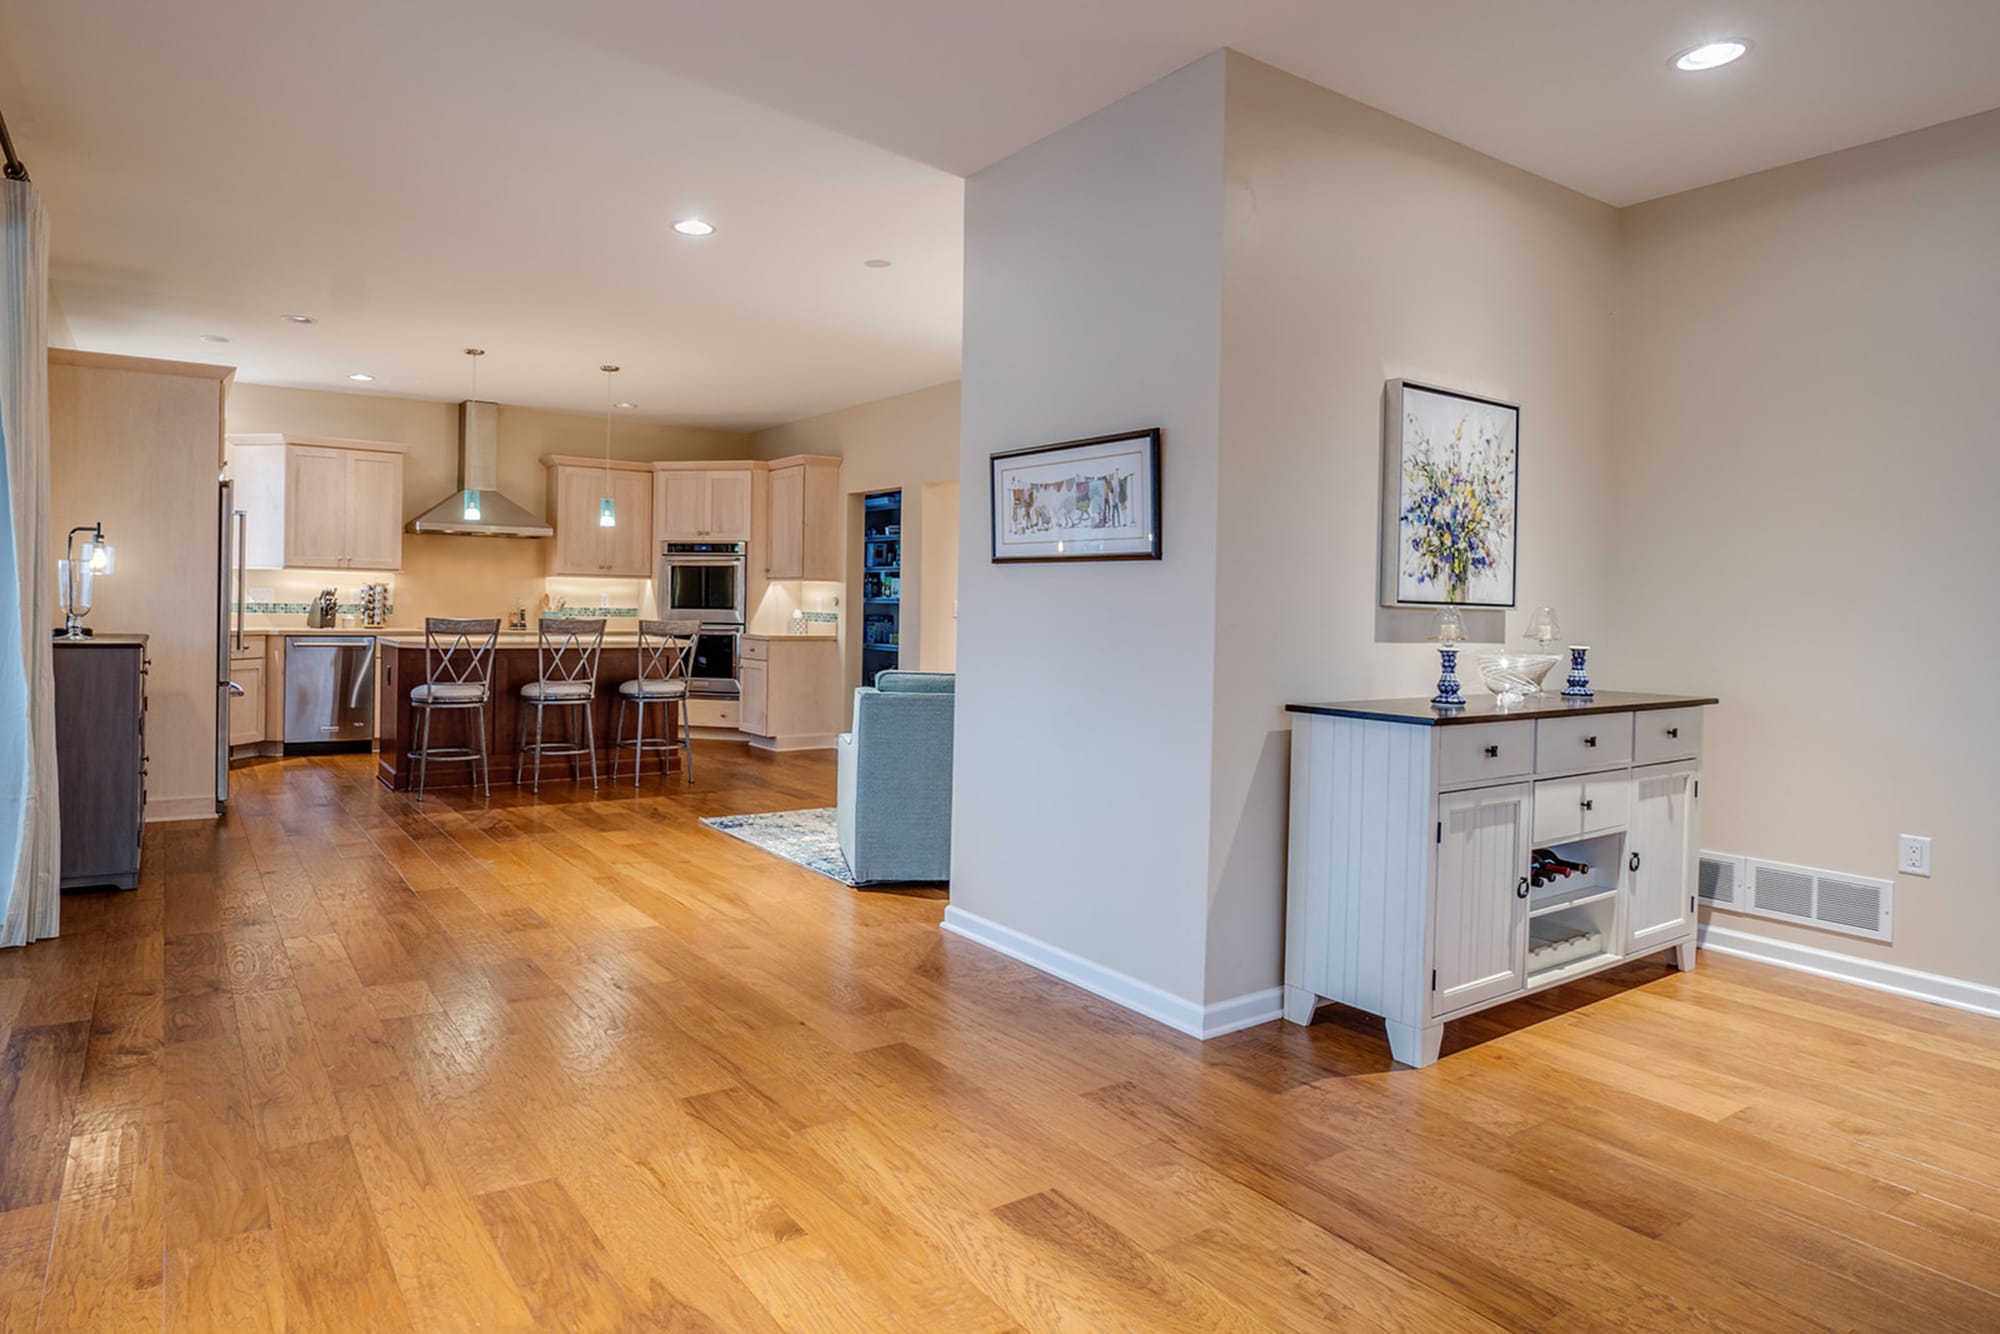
point(1092, 499)
point(1429, 469)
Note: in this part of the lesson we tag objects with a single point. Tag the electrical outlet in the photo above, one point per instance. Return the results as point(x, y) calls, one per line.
point(603, 600)
point(1913, 854)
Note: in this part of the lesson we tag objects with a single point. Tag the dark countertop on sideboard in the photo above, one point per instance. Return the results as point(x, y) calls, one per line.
point(1488, 709)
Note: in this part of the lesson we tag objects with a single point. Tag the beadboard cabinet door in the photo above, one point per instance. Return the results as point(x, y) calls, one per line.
point(1479, 925)
point(1666, 833)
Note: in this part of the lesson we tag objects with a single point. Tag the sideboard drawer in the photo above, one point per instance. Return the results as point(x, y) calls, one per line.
point(1592, 741)
point(1572, 808)
point(1484, 753)
point(1666, 734)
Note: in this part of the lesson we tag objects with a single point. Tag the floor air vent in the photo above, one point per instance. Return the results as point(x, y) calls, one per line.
point(1854, 904)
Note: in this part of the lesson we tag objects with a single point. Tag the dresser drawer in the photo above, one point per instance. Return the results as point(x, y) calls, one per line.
point(757, 650)
point(1666, 734)
point(1484, 753)
point(1573, 808)
point(1592, 741)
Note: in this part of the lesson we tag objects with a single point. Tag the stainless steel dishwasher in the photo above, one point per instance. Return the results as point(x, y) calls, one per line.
point(329, 693)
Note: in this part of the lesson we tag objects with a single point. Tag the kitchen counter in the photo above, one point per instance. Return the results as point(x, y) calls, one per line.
point(507, 639)
point(399, 666)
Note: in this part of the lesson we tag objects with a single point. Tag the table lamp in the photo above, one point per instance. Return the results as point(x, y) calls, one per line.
point(75, 578)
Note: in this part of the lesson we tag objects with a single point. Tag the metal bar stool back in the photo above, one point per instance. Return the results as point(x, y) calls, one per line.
point(567, 649)
point(666, 648)
point(458, 674)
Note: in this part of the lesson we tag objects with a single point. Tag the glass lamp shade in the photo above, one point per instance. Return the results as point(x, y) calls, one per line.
point(1542, 627)
point(100, 557)
point(1448, 626)
point(607, 513)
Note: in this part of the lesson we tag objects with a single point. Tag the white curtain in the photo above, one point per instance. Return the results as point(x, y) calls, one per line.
point(30, 836)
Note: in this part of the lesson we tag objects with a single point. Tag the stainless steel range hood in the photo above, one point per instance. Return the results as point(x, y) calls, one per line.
point(477, 509)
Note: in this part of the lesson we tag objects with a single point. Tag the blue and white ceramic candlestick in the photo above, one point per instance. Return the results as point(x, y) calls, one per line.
point(1579, 680)
point(1448, 695)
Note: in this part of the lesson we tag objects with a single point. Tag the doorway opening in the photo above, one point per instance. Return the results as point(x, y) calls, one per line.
point(881, 583)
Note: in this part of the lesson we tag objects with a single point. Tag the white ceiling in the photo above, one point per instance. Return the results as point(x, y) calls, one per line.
point(432, 173)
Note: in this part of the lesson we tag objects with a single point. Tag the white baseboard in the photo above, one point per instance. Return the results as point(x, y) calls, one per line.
point(1176, 1012)
point(159, 810)
point(1933, 987)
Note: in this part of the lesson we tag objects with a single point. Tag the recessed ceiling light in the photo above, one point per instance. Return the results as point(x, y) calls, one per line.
point(1710, 55)
point(693, 227)
point(359, 376)
point(627, 405)
point(874, 263)
point(300, 319)
point(213, 338)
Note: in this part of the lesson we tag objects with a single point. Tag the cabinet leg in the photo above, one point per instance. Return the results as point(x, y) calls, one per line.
point(1299, 1004)
point(1684, 957)
point(1413, 1044)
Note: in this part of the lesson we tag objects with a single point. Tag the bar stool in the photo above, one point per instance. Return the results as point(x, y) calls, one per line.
point(566, 651)
point(665, 650)
point(458, 674)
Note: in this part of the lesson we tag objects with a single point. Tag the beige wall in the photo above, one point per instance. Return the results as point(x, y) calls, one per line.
point(1804, 489)
point(465, 576)
point(1361, 248)
point(1093, 294)
point(137, 445)
point(897, 443)
point(938, 560)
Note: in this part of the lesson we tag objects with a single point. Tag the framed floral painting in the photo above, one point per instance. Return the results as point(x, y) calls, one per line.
point(1450, 498)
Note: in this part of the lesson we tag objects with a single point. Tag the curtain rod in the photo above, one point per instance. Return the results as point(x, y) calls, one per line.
point(17, 170)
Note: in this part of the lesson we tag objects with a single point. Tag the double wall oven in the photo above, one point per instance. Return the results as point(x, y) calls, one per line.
point(707, 582)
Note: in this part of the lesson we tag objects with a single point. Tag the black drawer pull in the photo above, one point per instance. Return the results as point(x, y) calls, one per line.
point(1493, 752)
point(1590, 741)
point(1673, 731)
point(1521, 888)
point(1588, 804)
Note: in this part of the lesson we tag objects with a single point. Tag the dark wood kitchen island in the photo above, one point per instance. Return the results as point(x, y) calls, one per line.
point(399, 666)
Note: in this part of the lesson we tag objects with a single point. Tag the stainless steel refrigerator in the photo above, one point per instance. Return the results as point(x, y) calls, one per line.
point(230, 595)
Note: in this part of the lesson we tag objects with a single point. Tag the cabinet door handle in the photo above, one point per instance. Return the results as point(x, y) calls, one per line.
point(1634, 863)
point(1674, 732)
point(1521, 888)
point(1588, 804)
point(1590, 741)
point(1493, 752)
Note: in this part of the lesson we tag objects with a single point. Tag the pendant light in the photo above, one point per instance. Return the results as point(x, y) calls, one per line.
point(607, 508)
point(469, 502)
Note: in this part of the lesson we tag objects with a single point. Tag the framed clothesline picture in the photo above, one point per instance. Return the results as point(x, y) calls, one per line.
point(1450, 498)
point(1095, 499)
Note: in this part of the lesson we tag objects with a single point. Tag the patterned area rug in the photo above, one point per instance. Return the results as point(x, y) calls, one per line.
point(808, 838)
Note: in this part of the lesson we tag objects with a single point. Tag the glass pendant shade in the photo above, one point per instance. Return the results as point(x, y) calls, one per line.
point(607, 513)
point(472, 507)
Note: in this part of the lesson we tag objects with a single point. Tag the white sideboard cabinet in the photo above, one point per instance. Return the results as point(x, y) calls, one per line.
point(1446, 860)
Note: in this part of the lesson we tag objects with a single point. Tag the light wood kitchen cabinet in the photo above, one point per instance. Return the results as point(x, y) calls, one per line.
point(319, 504)
point(583, 545)
point(246, 711)
point(754, 698)
point(802, 526)
point(1445, 860)
point(703, 504)
point(791, 697)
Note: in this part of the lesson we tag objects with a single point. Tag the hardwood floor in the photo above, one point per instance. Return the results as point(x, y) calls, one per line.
point(345, 1062)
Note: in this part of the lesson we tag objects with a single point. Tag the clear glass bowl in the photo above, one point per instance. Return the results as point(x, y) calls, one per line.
point(1516, 673)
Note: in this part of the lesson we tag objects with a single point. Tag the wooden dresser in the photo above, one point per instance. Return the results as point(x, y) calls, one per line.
point(101, 757)
point(1445, 860)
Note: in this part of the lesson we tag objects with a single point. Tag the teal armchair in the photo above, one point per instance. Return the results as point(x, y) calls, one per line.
point(894, 780)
